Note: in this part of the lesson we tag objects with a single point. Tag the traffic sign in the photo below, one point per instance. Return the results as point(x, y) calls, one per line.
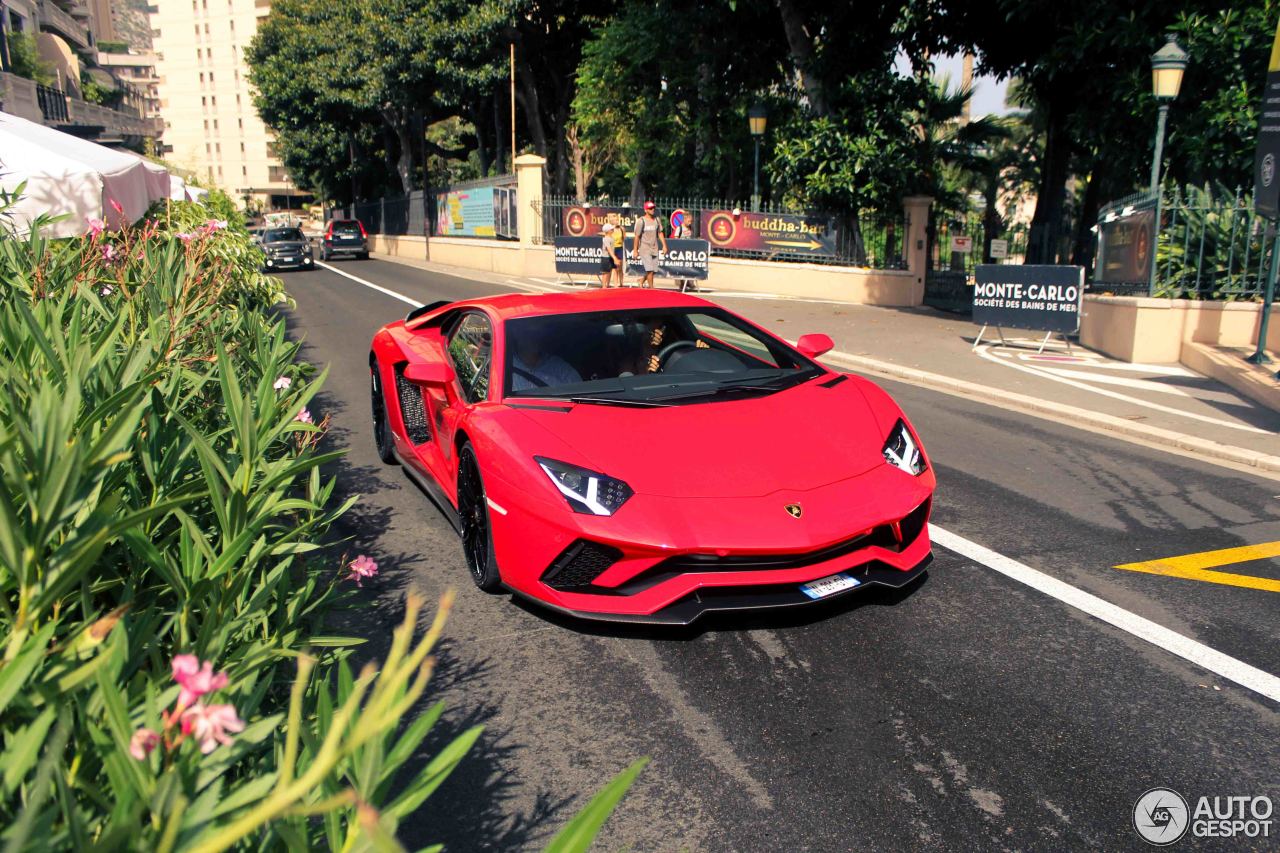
point(678, 218)
point(999, 248)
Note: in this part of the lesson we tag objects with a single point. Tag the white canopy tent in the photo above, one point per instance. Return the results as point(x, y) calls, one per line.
point(180, 190)
point(68, 175)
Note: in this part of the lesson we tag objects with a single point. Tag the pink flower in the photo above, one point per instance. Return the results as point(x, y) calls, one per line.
point(115, 205)
point(362, 567)
point(108, 252)
point(107, 290)
point(142, 742)
point(304, 416)
point(214, 225)
point(186, 236)
point(196, 678)
point(210, 724)
point(282, 383)
point(96, 226)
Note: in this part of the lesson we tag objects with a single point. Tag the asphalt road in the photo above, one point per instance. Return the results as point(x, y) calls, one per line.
point(968, 712)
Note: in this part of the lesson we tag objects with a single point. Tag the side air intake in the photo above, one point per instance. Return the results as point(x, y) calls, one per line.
point(412, 409)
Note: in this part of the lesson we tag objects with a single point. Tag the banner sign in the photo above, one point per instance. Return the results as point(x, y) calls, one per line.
point(578, 255)
point(683, 259)
point(999, 248)
point(586, 221)
point(770, 232)
point(1266, 157)
point(465, 213)
point(1026, 296)
point(504, 212)
point(582, 256)
point(961, 244)
point(1124, 248)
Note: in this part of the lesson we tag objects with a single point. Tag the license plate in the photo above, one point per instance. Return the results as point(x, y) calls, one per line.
point(823, 587)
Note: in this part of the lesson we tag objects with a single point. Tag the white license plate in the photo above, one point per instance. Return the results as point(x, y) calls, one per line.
point(823, 587)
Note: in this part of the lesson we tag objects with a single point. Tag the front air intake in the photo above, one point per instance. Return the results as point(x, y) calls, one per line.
point(579, 565)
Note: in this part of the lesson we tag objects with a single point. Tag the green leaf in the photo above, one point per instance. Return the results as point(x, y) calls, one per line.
point(580, 832)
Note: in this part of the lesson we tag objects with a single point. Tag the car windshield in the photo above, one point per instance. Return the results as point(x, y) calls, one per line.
point(346, 229)
point(278, 235)
point(652, 356)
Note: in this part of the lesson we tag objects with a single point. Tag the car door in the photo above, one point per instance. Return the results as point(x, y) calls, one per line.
point(469, 350)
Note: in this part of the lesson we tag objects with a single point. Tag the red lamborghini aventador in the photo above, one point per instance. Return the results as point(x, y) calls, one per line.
point(648, 456)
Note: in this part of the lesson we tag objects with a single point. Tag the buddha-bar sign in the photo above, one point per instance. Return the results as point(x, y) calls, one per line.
point(583, 221)
point(774, 233)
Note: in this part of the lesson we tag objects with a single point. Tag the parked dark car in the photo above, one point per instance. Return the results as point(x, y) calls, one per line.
point(344, 237)
point(286, 248)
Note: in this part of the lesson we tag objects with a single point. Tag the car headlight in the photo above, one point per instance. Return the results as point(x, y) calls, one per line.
point(901, 450)
point(587, 492)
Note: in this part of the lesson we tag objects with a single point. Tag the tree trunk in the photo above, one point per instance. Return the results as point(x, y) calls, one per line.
point(527, 97)
point(560, 176)
point(401, 126)
point(800, 45)
point(499, 136)
point(992, 224)
point(1046, 224)
point(1085, 242)
point(482, 152)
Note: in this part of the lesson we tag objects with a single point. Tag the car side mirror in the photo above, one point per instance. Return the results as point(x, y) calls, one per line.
point(814, 345)
point(437, 374)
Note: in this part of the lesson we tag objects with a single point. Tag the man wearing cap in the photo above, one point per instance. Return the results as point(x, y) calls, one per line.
point(648, 240)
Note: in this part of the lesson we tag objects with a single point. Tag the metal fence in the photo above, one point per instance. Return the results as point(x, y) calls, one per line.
point(870, 241)
point(971, 226)
point(1210, 244)
point(412, 214)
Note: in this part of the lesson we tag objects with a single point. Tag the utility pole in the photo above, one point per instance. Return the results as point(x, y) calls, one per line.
point(513, 107)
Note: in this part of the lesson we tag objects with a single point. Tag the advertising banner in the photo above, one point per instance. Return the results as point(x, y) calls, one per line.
point(999, 248)
point(582, 256)
point(683, 259)
point(770, 232)
point(504, 212)
point(465, 213)
point(586, 221)
point(1027, 296)
point(578, 255)
point(1124, 248)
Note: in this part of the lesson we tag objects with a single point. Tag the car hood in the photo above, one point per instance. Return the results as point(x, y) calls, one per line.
point(798, 439)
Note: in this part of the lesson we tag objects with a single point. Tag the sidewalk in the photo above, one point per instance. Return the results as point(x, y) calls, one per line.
point(1165, 404)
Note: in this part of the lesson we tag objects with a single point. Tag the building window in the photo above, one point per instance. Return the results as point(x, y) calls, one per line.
point(213, 100)
point(215, 124)
point(210, 76)
point(208, 149)
point(240, 121)
point(237, 100)
point(201, 78)
point(217, 146)
point(206, 124)
point(244, 170)
point(241, 147)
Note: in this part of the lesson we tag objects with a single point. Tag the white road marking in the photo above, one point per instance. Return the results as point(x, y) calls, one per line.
point(1249, 677)
point(1156, 369)
point(982, 351)
point(1144, 385)
point(415, 303)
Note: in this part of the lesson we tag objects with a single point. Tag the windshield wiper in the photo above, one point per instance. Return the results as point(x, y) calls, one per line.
point(618, 401)
point(721, 391)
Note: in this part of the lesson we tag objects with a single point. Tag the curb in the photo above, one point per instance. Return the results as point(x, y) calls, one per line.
point(1211, 451)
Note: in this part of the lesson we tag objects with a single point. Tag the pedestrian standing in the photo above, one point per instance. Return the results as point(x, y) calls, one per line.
point(607, 260)
point(649, 240)
point(684, 231)
point(620, 262)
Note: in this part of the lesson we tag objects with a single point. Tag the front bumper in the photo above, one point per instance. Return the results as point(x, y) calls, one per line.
point(670, 560)
point(286, 263)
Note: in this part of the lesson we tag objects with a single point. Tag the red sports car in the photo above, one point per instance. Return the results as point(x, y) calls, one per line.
point(648, 456)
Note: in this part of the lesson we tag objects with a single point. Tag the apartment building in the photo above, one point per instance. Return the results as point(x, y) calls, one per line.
point(210, 125)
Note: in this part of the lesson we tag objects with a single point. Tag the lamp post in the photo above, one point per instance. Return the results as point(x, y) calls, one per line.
point(1167, 66)
point(757, 119)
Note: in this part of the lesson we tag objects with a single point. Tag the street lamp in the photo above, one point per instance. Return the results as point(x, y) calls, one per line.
point(1167, 66)
point(757, 119)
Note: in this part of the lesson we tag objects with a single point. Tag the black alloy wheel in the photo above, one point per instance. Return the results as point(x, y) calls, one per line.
point(382, 439)
point(473, 512)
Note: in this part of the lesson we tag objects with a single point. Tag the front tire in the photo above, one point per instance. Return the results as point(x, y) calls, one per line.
point(382, 440)
point(477, 534)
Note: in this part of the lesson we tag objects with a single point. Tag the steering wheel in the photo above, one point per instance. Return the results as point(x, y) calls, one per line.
point(673, 347)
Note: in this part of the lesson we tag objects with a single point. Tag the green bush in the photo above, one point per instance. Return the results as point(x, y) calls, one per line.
point(166, 680)
point(24, 59)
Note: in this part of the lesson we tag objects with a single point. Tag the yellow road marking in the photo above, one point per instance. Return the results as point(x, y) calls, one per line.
point(1196, 567)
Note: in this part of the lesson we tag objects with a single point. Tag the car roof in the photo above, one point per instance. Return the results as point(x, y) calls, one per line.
point(513, 305)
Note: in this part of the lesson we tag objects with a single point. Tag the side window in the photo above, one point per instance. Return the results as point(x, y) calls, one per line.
point(471, 349)
point(718, 330)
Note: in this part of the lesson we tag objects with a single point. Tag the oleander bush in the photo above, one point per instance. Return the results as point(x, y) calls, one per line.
point(166, 681)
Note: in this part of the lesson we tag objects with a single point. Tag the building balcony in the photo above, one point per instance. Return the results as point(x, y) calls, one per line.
point(54, 19)
point(53, 108)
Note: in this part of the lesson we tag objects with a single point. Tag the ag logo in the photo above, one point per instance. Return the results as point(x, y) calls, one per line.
point(794, 510)
point(575, 221)
point(1268, 169)
point(1161, 816)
